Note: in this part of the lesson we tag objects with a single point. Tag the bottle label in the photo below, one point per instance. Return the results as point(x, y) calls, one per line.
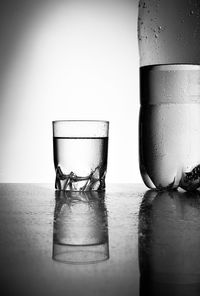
point(170, 84)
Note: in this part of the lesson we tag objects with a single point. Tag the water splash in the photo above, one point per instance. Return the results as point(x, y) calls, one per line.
point(191, 180)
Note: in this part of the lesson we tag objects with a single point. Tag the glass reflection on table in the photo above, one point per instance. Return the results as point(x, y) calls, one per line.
point(169, 243)
point(80, 234)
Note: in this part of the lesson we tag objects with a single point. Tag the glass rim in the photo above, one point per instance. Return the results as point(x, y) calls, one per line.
point(80, 120)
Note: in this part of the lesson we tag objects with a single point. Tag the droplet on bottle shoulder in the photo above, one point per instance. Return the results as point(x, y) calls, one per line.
point(180, 36)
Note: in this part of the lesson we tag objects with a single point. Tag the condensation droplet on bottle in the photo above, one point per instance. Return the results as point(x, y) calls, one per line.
point(156, 36)
point(191, 12)
point(179, 36)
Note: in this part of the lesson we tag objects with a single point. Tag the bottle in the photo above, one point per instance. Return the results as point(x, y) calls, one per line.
point(169, 122)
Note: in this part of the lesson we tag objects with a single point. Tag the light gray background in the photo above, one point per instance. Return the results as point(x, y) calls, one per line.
point(67, 59)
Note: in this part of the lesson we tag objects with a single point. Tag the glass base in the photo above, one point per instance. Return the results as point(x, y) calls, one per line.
point(76, 254)
point(71, 182)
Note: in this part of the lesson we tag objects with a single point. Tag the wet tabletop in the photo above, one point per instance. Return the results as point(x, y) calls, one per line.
point(126, 241)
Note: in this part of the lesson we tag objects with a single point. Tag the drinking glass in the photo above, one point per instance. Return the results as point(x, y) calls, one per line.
point(80, 154)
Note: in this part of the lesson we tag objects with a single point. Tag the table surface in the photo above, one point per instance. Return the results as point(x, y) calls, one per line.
point(153, 241)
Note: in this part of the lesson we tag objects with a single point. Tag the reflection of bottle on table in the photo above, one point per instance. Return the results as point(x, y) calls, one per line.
point(170, 93)
point(169, 243)
point(80, 227)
